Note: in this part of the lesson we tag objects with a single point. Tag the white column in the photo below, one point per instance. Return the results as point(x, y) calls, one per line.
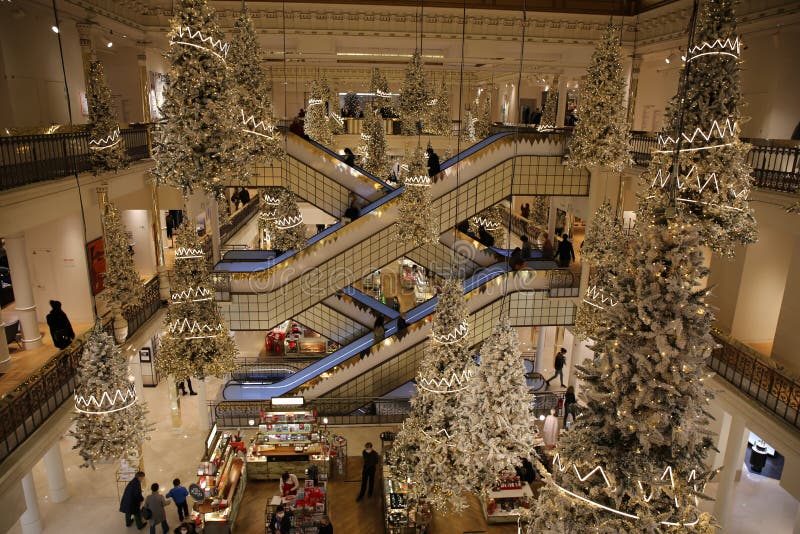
point(31, 520)
point(202, 403)
point(24, 304)
point(5, 357)
point(214, 226)
point(174, 404)
point(551, 223)
point(56, 479)
point(734, 457)
point(161, 269)
point(562, 101)
point(537, 363)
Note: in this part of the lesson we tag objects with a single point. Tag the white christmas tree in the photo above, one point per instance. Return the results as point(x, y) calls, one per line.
point(711, 178)
point(601, 137)
point(416, 221)
point(426, 447)
point(200, 143)
point(269, 200)
point(289, 229)
point(468, 132)
point(550, 111)
point(261, 140)
point(439, 122)
point(414, 96)
point(197, 342)
point(374, 149)
point(379, 87)
point(540, 211)
point(106, 146)
point(483, 113)
point(110, 423)
point(491, 219)
point(499, 428)
point(318, 124)
point(123, 285)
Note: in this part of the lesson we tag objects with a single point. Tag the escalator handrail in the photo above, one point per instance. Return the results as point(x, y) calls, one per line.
point(366, 341)
point(371, 302)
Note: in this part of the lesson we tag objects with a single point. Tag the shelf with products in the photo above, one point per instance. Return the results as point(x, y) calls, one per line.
point(222, 478)
point(305, 510)
point(506, 501)
point(403, 514)
point(285, 441)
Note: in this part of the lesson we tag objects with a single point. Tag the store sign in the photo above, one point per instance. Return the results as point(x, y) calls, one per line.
point(197, 492)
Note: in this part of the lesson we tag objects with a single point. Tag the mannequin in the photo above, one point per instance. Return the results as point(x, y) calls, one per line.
point(550, 430)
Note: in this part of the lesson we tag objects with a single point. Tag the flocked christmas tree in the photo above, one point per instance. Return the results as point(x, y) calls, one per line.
point(712, 178)
point(374, 149)
point(499, 428)
point(106, 146)
point(540, 211)
point(200, 143)
point(468, 132)
point(379, 87)
point(110, 423)
point(261, 140)
point(289, 229)
point(416, 221)
point(269, 199)
point(426, 447)
point(483, 112)
point(548, 120)
point(123, 285)
point(197, 342)
point(491, 220)
point(439, 122)
point(601, 137)
point(318, 124)
point(414, 96)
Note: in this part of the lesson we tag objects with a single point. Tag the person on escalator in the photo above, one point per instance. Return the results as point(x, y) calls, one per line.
point(402, 326)
point(485, 237)
point(353, 210)
point(515, 261)
point(433, 163)
point(526, 247)
point(349, 157)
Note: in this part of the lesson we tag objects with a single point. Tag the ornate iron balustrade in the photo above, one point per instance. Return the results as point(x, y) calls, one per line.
point(28, 159)
point(775, 162)
point(758, 377)
point(27, 407)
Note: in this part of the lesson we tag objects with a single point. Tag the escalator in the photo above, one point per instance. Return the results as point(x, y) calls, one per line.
point(529, 303)
point(263, 293)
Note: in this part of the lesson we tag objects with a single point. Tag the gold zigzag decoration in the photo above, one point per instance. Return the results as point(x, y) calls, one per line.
point(183, 253)
point(181, 326)
point(218, 47)
point(595, 294)
point(458, 333)
point(257, 128)
point(727, 47)
point(456, 382)
point(728, 128)
point(192, 295)
point(105, 142)
point(107, 402)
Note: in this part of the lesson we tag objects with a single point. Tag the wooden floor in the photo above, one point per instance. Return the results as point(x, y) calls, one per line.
point(351, 517)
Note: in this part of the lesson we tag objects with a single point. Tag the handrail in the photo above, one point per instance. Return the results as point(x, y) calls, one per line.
point(28, 159)
point(757, 376)
point(27, 407)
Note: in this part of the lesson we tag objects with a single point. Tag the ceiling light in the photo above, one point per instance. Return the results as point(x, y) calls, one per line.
point(387, 54)
point(109, 45)
point(54, 28)
point(666, 60)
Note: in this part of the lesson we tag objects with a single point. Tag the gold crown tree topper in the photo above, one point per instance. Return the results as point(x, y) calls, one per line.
point(110, 423)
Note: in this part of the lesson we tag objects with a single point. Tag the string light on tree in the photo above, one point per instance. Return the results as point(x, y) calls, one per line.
point(416, 221)
point(106, 148)
point(414, 96)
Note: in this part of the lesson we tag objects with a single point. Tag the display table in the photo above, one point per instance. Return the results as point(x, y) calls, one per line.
point(306, 509)
point(504, 506)
point(286, 441)
point(222, 478)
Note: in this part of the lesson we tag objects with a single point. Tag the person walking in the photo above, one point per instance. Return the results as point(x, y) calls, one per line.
point(178, 494)
point(325, 526)
point(244, 196)
point(371, 460)
point(155, 502)
point(547, 247)
point(525, 210)
point(434, 167)
point(569, 405)
point(60, 328)
point(565, 253)
point(182, 387)
point(131, 502)
point(561, 359)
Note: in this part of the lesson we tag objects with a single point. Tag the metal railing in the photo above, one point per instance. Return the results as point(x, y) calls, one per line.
point(27, 407)
point(28, 159)
point(757, 377)
point(775, 162)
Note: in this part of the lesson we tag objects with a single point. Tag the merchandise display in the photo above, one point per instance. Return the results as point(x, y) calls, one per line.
point(222, 476)
point(403, 513)
point(286, 441)
point(305, 509)
point(291, 337)
point(505, 502)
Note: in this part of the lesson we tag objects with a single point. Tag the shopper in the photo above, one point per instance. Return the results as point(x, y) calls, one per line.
point(371, 460)
point(354, 207)
point(525, 210)
point(178, 494)
point(569, 404)
point(402, 326)
point(155, 502)
point(60, 328)
point(185, 528)
point(244, 196)
point(281, 522)
point(289, 484)
point(235, 200)
point(547, 247)
point(526, 247)
point(325, 526)
point(515, 261)
point(131, 502)
point(433, 163)
point(566, 253)
point(349, 157)
point(561, 359)
point(182, 388)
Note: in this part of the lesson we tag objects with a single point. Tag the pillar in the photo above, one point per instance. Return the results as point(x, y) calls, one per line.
point(540, 335)
point(562, 101)
point(551, 222)
point(734, 456)
point(202, 403)
point(796, 529)
point(214, 225)
point(5, 357)
point(31, 520)
point(24, 303)
point(56, 479)
point(158, 234)
point(787, 335)
point(87, 48)
point(633, 86)
point(174, 404)
point(144, 83)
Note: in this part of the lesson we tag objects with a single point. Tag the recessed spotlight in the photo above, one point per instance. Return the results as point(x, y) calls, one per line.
point(54, 28)
point(109, 44)
point(666, 60)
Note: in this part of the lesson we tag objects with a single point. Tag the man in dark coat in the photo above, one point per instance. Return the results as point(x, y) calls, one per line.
point(371, 460)
point(433, 163)
point(60, 327)
point(131, 502)
point(565, 253)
